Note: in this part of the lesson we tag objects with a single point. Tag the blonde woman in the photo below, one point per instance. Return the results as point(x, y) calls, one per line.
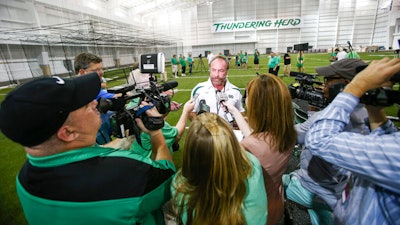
point(269, 135)
point(219, 182)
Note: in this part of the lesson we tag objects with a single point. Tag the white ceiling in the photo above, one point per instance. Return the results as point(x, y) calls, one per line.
point(147, 7)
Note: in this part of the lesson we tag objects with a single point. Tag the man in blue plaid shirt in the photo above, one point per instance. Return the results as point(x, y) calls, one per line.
point(374, 196)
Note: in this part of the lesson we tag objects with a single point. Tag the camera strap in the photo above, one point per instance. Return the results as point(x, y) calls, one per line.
point(142, 110)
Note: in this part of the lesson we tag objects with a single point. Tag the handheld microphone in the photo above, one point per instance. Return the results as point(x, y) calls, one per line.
point(350, 47)
point(203, 107)
point(222, 97)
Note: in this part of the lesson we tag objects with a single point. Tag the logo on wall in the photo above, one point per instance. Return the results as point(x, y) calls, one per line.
point(251, 25)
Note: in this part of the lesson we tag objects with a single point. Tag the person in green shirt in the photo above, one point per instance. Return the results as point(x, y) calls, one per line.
point(67, 178)
point(182, 61)
point(271, 63)
point(352, 55)
point(257, 60)
point(245, 60)
point(219, 182)
point(277, 63)
point(300, 61)
point(190, 63)
point(174, 66)
point(334, 58)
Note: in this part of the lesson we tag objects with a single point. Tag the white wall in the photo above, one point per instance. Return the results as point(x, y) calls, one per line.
point(325, 24)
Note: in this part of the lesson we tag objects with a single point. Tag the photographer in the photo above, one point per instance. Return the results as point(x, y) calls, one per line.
point(372, 159)
point(86, 63)
point(67, 178)
point(319, 185)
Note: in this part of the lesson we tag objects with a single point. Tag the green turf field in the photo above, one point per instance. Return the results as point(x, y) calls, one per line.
point(12, 156)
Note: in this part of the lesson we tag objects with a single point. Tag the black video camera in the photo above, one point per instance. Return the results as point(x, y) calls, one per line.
point(377, 97)
point(124, 118)
point(306, 87)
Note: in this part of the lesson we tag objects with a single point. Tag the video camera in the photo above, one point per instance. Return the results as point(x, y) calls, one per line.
point(303, 88)
point(377, 97)
point(124, 118)
point(307, 87)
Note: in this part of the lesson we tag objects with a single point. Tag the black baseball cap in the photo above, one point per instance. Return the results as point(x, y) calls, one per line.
point(33, 112)
point(347, 68)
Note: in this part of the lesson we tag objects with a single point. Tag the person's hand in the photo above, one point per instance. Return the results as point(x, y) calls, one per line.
point(376, 75)
point(231, 107)
point(189, 106)
point(169, 92)
point(117, 95)
point(153, 112)
point(175, 106)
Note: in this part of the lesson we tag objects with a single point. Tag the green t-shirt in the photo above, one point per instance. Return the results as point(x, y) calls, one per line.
point(182, 62)
point(255, 206)
point(352, 55)
point(174, 61)
point(170, 133)
point(272, 62)
point(94, 185)
point(190, 60)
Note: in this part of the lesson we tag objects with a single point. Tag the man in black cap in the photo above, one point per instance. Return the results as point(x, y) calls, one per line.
point(317, 184)
point(67, 179)
point(373, 160)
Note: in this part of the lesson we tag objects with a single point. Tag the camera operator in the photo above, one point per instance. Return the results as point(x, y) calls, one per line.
point(317, 179)
point(69, 179)
point(217, 85)
point(372, 159)
point(86, 63)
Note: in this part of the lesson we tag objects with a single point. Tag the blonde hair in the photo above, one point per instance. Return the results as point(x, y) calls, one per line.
point(211, 183)
point(270, 111)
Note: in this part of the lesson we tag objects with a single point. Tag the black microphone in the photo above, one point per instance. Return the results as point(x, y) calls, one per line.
point(203, 107)
point(350, 47)
point(168, 85)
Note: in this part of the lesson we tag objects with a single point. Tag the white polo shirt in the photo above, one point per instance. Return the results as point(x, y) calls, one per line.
point(206, 91)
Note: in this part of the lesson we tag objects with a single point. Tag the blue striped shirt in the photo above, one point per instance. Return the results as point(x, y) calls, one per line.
point(374, 161)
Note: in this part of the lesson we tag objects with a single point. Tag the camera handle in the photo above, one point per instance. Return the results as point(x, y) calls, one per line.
point(151, 123)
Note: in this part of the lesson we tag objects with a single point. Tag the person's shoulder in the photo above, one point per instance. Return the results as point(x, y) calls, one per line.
point(230, 86)
point(200, 86)
point(253, 159)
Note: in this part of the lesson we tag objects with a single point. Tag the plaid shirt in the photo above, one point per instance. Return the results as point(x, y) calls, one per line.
point(373, 160)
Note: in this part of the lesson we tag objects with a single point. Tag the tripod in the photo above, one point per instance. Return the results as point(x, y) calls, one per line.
point(200, 65)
